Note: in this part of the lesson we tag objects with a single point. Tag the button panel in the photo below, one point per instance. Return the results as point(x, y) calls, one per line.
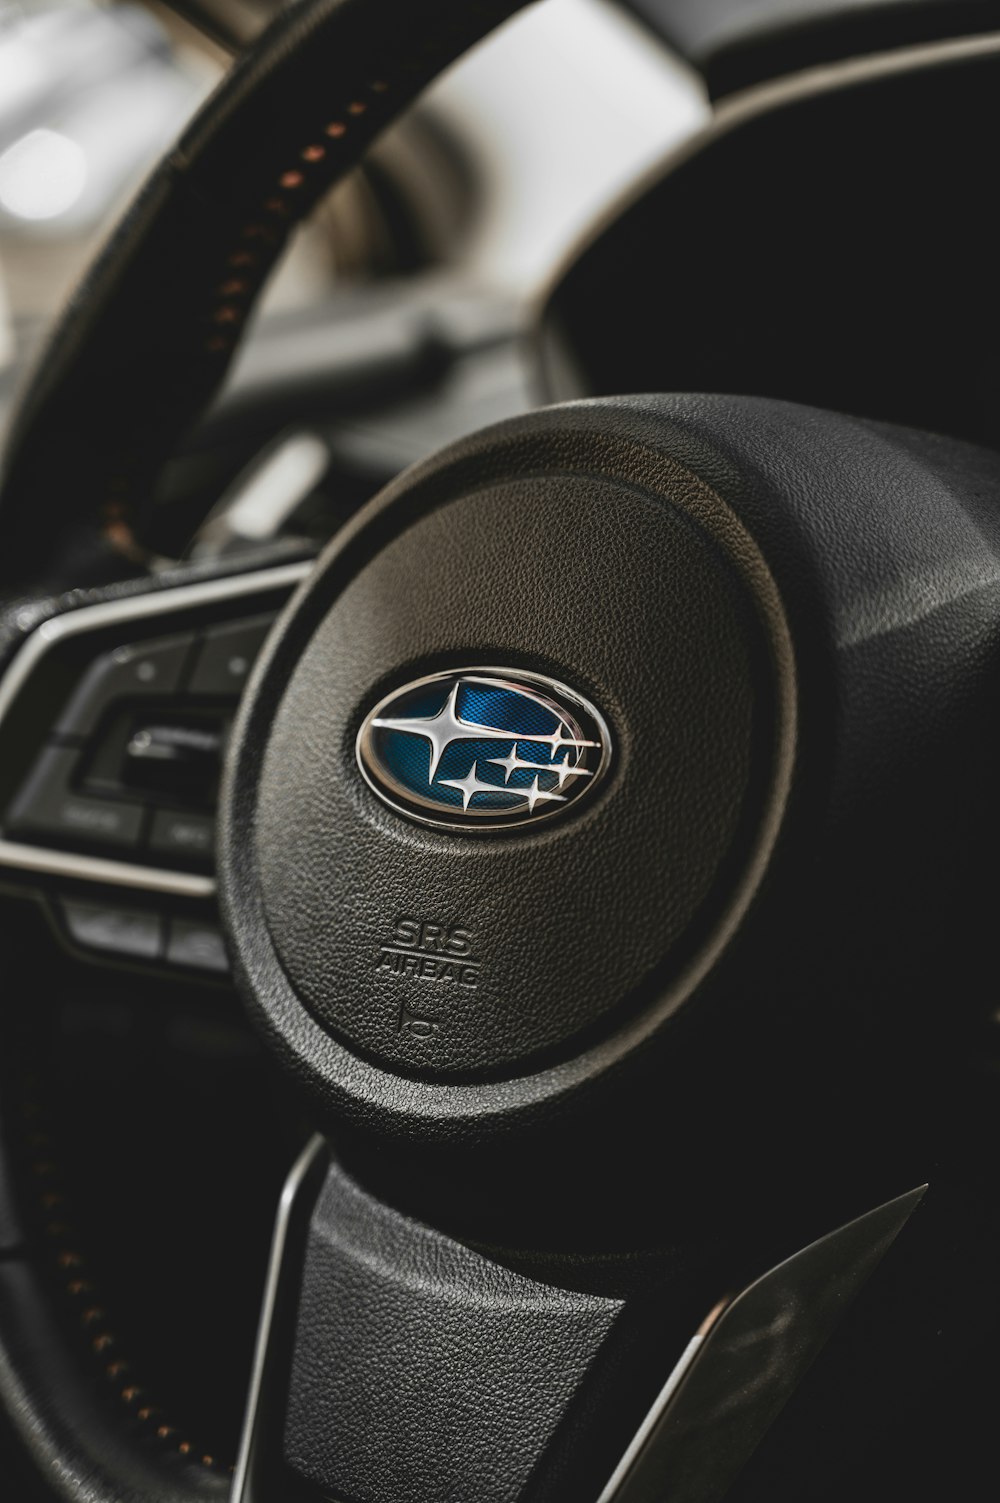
point(178, 834)
point(135, 932)
point(113, 725)
point(142, 670)
point(47, 806)
point(197, 946)
point(224, 661)
point(120, 931)
point(133, 764)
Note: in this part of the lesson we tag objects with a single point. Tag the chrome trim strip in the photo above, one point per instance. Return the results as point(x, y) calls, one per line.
point(243, 1477)
point(52, 863)
point(48, 861)
point(663, 1398)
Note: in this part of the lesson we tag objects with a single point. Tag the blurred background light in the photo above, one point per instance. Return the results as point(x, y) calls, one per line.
point(42, 175)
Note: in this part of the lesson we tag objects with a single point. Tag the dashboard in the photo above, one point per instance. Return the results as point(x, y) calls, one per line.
point(826, 239)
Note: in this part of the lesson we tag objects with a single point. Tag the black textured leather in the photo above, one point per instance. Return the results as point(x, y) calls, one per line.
point(149, 334)
point(423, 1369)
point(569, 919)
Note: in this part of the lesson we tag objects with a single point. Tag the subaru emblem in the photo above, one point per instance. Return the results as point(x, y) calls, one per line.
point(483, 749)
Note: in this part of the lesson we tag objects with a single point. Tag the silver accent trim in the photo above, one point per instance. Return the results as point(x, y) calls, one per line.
point(265, 494)
point(52, 863)
point(679, 1372)
point(243, 1490)
point(49, 861)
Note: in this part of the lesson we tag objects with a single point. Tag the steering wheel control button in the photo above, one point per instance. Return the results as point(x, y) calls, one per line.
point(47, 807)
point(140, 671)
point(174, 758)
point(113, 930)
point(483, 749)
point(226, 656)
point(197, 946)
point(186, 838)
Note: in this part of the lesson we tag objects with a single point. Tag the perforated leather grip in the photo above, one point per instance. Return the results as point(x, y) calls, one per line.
point(149, 335)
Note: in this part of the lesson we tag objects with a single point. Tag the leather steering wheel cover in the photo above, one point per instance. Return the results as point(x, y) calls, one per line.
point(148, 336)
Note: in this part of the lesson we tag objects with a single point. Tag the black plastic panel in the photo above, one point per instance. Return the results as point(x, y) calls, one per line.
point(423, 1368)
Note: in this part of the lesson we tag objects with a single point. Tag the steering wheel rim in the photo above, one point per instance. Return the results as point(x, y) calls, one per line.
point(150, 333)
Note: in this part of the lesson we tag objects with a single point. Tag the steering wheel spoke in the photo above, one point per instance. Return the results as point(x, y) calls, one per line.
point(394, 1358)
point(380, 1364)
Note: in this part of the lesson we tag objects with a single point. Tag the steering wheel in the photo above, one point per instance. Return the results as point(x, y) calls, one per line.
point(604, 807)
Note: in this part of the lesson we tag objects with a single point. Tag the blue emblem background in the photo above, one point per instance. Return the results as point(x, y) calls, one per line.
point(408, 756)
point(524, 719)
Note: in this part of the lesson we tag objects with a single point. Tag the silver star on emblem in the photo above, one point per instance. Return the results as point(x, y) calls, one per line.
point(444, 728)
point(470, 785)
point(535, 795)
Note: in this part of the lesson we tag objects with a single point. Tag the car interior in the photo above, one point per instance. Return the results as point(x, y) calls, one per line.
point(499, 644)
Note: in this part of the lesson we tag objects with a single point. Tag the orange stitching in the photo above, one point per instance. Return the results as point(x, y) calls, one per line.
point(67, 1259)
point(290, 181)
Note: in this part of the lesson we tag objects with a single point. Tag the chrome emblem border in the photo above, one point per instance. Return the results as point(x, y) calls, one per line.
point(545, 770)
